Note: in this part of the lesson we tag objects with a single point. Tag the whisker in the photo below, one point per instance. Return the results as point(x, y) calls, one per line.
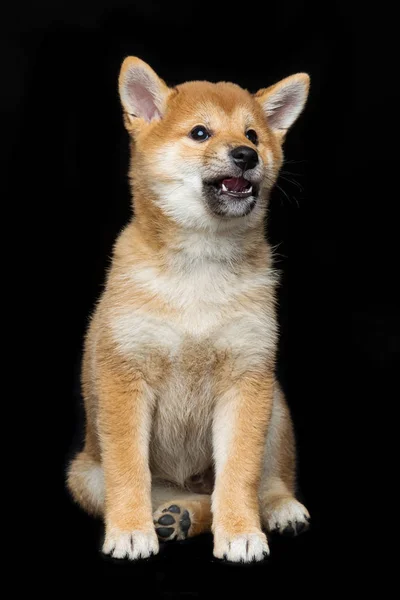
point(283, 191)
point(293, 181)
point(292, 173)
point(294, 162)
point(175, 190)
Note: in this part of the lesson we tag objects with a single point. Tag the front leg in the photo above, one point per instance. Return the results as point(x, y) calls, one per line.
point(240, 425)
point(125, 407)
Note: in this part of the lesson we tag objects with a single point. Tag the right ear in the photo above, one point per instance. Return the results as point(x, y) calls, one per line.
point(143, 94)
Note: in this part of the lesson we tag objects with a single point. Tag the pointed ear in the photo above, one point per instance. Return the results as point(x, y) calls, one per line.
point(143, 94)
point(283, 102)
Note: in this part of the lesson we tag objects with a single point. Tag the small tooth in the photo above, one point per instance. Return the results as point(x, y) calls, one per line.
point(224, 188)
point(250, 189)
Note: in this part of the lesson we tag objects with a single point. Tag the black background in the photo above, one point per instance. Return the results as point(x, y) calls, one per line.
point(335, 230)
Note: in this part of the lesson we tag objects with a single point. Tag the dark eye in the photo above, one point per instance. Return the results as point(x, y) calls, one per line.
point(252, 136)
point(199, 133)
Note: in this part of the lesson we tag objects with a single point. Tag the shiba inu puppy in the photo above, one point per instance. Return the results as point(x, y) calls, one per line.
point(187, 429)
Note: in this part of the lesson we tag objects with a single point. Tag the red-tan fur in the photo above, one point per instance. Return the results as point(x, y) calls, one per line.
point(178, 371)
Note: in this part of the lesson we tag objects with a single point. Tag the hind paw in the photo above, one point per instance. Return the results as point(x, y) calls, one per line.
point(172, 522)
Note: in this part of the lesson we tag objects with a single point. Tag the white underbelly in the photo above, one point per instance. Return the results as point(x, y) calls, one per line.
point(181, 441)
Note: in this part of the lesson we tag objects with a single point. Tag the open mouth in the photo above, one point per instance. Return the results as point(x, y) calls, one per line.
point(236, 187)
point(231, 196)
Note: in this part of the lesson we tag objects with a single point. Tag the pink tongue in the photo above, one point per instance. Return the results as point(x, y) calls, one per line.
point(236, 184)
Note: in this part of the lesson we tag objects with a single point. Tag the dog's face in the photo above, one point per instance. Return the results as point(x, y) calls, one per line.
point(209, 153)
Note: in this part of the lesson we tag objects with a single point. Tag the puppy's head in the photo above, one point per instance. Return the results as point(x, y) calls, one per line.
point(208, 153)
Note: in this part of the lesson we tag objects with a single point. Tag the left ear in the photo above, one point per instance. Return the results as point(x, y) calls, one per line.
point(283, 102)
point(143, 94)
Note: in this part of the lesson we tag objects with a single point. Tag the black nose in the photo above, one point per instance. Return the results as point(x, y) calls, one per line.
point(244, 157)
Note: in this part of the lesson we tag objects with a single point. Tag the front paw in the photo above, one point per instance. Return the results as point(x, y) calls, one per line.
point(241, 547)
point(130, 544)
point(286, 516)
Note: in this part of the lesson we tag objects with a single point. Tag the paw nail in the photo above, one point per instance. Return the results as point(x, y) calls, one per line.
point(166, 520)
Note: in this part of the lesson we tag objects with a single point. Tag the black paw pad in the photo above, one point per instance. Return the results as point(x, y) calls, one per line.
point(166, 520)
point(185, 522)
point(289, 529)
point(174, 508)
point(164, 532)
point(300, 526)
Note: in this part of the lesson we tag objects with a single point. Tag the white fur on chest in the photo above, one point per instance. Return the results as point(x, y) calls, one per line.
point(207, 297)
point(196, 299)
point(201, 300)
